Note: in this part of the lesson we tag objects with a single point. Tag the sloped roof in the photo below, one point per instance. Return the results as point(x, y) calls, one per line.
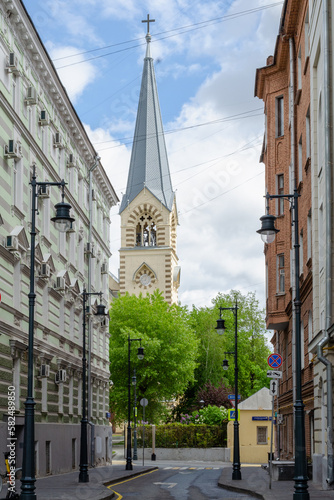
point(149, 166)
point(261, 400)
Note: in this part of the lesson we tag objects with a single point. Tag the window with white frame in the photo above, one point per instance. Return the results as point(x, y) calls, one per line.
point(18, 184)
point(308, 134)
point(299, 68)
point(279, 108)
point(307, 35)
point(301, 253)
point(310, 326)
point(309, 235)
point(280, 274)
point(302, 344)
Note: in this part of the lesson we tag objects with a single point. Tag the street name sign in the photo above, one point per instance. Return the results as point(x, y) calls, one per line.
point(274, 374)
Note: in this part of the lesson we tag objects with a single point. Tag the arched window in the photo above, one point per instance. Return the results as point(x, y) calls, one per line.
point(146, 231)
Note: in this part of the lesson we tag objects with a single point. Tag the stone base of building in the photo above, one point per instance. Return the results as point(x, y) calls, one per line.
point(320, 471)
point(57, 446)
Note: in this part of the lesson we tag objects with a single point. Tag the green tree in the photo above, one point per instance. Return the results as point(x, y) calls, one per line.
point(170, 350)
point(252, 349)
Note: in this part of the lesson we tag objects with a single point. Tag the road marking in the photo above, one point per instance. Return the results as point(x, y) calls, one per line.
point(126, 481)
point(169, 485)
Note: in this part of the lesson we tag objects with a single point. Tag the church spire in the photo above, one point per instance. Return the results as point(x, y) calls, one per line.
point(149, 166)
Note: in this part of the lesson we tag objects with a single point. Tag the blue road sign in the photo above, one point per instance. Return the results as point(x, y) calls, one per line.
point(275, 360)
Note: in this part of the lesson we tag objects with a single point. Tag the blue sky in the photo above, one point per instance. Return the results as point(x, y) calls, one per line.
point(206, 54)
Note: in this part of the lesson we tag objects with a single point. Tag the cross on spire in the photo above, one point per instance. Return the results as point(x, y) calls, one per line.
point(148, 21)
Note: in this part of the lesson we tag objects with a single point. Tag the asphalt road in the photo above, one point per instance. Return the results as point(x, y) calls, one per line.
point(176, 483)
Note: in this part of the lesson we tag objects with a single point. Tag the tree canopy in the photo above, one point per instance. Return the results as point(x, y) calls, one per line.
point(170, 351)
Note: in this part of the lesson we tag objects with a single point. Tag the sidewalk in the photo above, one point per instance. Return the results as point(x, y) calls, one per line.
point(67, 487)
point(255, 482)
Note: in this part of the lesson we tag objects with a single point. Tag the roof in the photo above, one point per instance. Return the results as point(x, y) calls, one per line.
point(261, 400)
point(149, 166)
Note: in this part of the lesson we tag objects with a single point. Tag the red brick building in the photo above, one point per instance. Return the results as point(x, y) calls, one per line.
point(284, 86)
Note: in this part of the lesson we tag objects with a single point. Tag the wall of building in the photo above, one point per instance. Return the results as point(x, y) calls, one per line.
point(36, 113)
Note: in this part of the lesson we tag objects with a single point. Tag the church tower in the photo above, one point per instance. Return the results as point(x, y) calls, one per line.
point(148, 259)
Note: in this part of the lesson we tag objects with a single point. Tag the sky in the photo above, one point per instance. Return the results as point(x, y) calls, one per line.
point(205, 53)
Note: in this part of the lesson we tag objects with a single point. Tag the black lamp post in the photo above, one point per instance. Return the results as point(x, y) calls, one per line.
point(268, 233)
point(134, 383)
point(140, 354)
point(62, 222)
point(83, 467)
point(236, 472)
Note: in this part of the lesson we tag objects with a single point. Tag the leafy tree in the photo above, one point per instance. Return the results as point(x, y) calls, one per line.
point(214, 396)
point(170, 350)
point(252, 349)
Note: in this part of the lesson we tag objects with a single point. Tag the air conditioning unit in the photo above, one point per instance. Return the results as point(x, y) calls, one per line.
point(45, 270)
point(43, 118)
point(60, 376)
point(70, 160)
point(12, 242)
point(58, 140)
point(13, 149)
point(89, 249)
point(60, 283)
point(31, 97)
point(44, 191)
point(44, 371)
point(104, 268)
point(12, 64)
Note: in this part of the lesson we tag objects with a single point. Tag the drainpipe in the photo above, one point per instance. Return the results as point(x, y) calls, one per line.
point(329, 208)
point(89, 289)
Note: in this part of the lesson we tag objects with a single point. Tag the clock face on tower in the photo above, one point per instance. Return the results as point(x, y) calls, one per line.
point(145, 279)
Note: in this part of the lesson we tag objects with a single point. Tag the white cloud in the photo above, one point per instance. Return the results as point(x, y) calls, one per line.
point(77, 77)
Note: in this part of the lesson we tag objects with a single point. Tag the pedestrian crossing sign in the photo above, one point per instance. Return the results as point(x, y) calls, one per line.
point(231, 414)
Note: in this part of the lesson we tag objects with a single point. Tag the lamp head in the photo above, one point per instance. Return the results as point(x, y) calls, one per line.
point(101, 310)
point(140, 352)
point(220, 328)
point(268, 230)
point(225, 364)
point(62, 219)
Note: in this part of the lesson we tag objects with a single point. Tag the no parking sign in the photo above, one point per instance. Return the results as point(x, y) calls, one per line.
point(275, 360)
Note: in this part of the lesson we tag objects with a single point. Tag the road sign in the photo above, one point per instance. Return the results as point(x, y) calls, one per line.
point(144, 402)
point(231, 414)
point(273, 387)
point(274, 374)
point(232, 396)
point(275, 360)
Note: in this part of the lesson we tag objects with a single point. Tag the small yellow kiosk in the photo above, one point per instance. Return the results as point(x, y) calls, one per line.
point(254, 428)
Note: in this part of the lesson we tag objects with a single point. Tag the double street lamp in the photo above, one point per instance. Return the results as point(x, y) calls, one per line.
point(140, 354)
point(63, 222)
point(83, 467)
point(236, 472)
point(268, 232)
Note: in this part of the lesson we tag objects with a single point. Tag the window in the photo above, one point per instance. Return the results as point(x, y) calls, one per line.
point(309, 235)
point(280, 191)
point(321, 238)
point(146, 231)
point(280, 274)
point(299, 69)
point(310, 326)
point(262, 435)
point(307, 36)
point(301, 253)
point(300, 159)
point(279, 116)
point(302, 353)
point(308, 134)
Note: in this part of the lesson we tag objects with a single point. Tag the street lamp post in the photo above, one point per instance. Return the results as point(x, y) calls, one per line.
point(236, 472)
point(268, 233)
point(134, 383)
point(83, 467)
point(140, 354)
point(62, 222)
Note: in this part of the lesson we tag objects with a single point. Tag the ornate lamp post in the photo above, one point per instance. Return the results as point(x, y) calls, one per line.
point(134, 383)
point(268, 233)
point(62, 221)
point(140, 354)
point(83, 467)
point(236, 472)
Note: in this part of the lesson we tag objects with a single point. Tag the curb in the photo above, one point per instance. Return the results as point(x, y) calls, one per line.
point(129, 476)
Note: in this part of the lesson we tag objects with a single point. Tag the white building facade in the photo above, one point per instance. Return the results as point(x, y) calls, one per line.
point(39, 126)
point(322, 342)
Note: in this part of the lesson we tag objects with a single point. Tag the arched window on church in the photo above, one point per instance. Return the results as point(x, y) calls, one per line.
point(146, 232)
